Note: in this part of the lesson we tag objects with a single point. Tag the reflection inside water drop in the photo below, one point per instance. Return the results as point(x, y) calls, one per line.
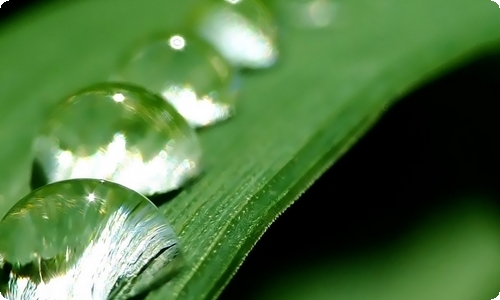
point(242, 31)
point(121, 133)
point(188, 73)
point(177, 42)
point(84, 239)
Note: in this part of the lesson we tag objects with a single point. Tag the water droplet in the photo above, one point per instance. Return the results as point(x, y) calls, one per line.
point(122, 133)
point(243, 31)
point(85, 239)
point(188, 73)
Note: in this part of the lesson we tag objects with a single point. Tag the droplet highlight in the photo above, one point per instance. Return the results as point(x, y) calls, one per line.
point(188, 73)
point(118, 132)
point(85, 239)
point(243, 31)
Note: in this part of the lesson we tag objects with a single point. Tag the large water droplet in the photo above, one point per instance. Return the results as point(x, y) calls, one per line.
point(243, 31)
point(119, 132)
point(85, 239)
point(188, 73)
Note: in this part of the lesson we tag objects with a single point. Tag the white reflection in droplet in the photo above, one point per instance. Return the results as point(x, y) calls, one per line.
point(204, 110)
point(64, 159)
point(68, 253)
point(238, 39)
point(177, 42)
point(233, 1)
point(127, 166)
point(91, 197)
point(118, 97)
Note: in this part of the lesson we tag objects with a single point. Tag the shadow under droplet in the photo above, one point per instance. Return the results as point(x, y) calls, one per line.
point(38, 177)
point(246, 71)
point(139, 297)
point(160, 199)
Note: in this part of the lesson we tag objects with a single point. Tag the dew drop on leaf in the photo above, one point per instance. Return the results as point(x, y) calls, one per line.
point(85, 239)
point(118, 132)
point(243, 31)
point(187, 72)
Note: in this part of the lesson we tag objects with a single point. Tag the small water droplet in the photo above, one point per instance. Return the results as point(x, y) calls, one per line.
point(243, 31)
point(85, 239)
point(188, 73)
point(118, 132)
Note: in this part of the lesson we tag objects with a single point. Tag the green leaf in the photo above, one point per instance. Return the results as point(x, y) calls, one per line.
point(293, 121)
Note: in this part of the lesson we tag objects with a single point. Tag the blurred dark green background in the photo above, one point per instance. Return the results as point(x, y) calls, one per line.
point(411, 212)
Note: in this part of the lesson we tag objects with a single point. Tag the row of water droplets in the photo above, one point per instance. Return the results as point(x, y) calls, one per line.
point(131, 137)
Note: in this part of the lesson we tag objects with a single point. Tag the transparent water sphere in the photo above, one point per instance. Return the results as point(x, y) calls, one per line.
point(85, 239)
point(188, 73)
point(243, 31)
point(118, 132)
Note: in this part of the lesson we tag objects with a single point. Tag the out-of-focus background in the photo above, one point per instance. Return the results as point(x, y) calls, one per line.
point(415, 204)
